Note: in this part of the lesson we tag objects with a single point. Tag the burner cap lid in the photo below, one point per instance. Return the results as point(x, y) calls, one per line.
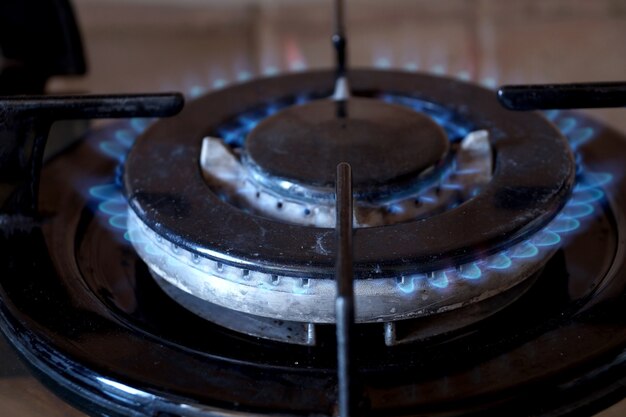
point(384, 143)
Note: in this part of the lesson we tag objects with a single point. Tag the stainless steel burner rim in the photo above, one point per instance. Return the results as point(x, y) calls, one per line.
point(305, 333)
point(312, 300)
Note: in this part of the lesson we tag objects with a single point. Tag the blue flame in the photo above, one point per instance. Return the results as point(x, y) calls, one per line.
point(382, 59)
point(219, 83)
point(489, 82)
point(499, 261)
point(439, 69)
point(470, 271)
point(113, 207)
point(123, 139)
point(567, 125)
point(106, 192)
point(114, 149)
point(411, 66)
point(464, 75)
point(407, 284)
point(451, 186)
point(593, 180)
point(563, 225)
point(576, 211)
point(243, 76)
point(119, 221)
point(439, 279)
point(111, 201)
point(428, 199)
point(588, 195)
point(196, 91)
point(139, 125)
point(552, 114)
point(382, 62)
point(545, 238)
point(270, 70)
point(524, 250)
point(580, 137)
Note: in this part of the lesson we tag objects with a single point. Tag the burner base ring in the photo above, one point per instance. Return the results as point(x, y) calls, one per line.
point(312, 301)
point(300, 333)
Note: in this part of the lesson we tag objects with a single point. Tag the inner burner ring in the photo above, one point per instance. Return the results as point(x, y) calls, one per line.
point(305, 143)
point(533, 176)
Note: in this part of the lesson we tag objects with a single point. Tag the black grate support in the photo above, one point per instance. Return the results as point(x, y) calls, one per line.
point(563, 96)
point(344, 303)
point(24, 125)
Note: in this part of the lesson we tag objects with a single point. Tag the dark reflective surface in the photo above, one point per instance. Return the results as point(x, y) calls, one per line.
point(81, 306)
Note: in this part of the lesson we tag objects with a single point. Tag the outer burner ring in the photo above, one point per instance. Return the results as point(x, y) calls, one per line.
point(534, 174)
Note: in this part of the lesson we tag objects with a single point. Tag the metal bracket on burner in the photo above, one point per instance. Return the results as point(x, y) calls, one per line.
point(342, 89)
point(24, 125)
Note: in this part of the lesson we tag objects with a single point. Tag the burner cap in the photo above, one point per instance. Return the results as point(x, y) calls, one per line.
point(384, 143)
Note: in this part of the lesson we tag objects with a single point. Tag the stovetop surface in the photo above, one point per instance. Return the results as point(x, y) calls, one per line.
point(113, 317)
point(453, 51)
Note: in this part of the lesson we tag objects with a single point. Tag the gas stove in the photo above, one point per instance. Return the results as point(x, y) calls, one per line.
point(346, 242)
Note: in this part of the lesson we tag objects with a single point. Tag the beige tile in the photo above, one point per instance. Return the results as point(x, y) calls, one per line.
point(553, 41)
point(25, 397)
point(618, 410)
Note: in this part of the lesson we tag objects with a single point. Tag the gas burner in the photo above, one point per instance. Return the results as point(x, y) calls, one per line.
point(531, 295)
point(533, 176)
point(283, 271)
point(213, 265)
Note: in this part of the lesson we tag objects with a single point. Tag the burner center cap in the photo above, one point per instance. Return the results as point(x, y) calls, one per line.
point(384, 143)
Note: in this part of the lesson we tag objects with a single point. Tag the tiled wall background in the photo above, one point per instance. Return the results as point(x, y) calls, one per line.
point(139, 45)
